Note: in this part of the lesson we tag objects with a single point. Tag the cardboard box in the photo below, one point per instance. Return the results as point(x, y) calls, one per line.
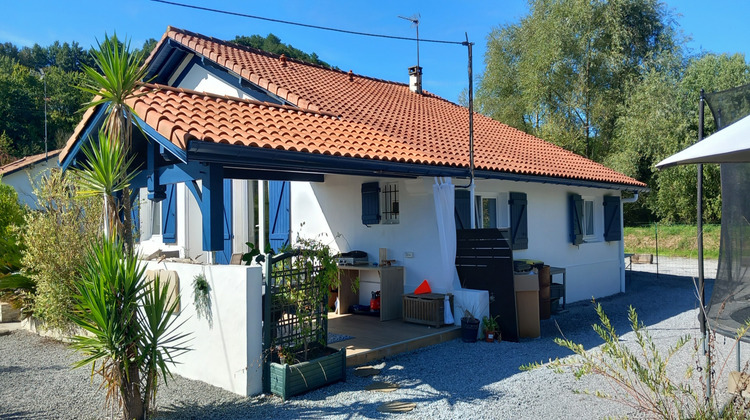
point(526, 282)
point(527, 304)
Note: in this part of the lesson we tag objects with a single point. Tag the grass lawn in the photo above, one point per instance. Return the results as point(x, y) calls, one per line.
point(673, 240)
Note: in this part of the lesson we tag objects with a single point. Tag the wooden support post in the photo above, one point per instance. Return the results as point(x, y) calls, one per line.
point(212, 207)
point(156, 191)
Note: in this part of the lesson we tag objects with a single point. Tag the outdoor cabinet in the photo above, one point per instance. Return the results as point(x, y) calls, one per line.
point(391, 288)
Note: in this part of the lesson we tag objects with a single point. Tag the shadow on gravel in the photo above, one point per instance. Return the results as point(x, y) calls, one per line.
point(471, 373)
point(246, 409)
point(21, 415)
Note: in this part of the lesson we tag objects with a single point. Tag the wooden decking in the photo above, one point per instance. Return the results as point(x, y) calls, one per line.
point(374, 339)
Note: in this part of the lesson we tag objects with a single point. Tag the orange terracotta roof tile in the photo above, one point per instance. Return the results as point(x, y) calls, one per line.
point(362, 117)
point(28, 161)
point(436, 129)
point(180, 115)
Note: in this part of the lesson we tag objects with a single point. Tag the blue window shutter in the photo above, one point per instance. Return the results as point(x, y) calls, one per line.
point(612, 227)
point(370, 203)
point(519, 230)
point(279, 214)
point(169, 216)
point(576, 219)
point(224, 256)
point(462, 208)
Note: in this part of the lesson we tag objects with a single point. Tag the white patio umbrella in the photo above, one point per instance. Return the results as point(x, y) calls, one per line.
point(443, 192)
point(729, 145)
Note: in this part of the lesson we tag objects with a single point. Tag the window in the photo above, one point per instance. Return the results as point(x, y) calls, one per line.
point(155, 217)
point(588, 217)
point(490, 210)
point(390, 203)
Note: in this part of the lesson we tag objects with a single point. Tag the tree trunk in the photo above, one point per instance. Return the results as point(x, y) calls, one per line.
point(132, 402)
point(127, 231)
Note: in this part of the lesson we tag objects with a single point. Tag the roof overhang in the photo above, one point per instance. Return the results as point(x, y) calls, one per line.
point(302, 162)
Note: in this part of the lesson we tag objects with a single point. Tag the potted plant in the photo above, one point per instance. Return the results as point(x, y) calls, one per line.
point(299, 281)
point(490, 328)
point(469, 327)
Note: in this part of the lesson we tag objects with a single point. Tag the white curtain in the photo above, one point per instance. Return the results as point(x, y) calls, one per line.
point(447, 278)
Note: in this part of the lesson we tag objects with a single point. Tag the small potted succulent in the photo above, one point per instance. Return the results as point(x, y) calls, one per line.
point(491, 329)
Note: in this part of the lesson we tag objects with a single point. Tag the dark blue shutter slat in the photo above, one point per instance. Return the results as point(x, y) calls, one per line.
point(576, 219)
point(224, 256)
point(463, 209)
point(279, 217)
point(519, 230)
point(169, 215)
point(370, 203)
point(612, 227)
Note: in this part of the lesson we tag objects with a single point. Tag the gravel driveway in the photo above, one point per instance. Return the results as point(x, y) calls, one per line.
point(446, 381)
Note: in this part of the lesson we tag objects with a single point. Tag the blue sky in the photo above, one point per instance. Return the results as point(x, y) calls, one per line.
point(718, 26)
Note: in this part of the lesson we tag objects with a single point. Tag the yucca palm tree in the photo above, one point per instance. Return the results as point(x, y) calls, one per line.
point(105, 172)
point(130, 324)
point(114, 80)
point(130, 320)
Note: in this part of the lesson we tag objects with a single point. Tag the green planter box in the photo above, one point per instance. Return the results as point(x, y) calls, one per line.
point(290, 380)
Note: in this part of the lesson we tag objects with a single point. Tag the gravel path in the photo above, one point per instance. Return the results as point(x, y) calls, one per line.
point(447, 381)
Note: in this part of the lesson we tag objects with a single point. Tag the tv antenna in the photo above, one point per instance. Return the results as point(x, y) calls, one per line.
point(414, 19)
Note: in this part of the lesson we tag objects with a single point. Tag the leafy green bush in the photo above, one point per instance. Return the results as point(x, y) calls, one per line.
point(642, 375)
point(15, 288)
point(56, 238)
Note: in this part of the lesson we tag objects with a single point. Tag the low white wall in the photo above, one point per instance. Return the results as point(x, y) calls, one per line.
point(228, 355)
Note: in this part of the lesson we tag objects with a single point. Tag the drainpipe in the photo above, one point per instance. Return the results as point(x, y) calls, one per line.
point(471, 134)
point(632, 199)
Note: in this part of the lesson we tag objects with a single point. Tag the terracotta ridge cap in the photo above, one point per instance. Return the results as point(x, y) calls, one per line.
point(231, 44)
point(156, 86)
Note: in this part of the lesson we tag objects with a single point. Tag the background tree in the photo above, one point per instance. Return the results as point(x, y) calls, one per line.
point(271, 43)
point(610, 80)
point(659, 118)
point(562, 71)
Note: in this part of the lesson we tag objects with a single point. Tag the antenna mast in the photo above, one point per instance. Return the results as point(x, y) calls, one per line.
point(414, 19)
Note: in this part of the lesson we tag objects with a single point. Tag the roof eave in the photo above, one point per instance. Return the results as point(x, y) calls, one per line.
point(304, 162)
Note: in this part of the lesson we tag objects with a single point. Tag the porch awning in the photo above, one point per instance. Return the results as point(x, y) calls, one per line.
point(730, 145)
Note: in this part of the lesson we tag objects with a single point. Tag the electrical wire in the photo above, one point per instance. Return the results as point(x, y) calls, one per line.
point(325, 28)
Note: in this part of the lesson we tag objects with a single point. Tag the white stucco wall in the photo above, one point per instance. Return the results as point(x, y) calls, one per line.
point(24, 180)
point(333, 209)
point(201, 80)
point(227, 355)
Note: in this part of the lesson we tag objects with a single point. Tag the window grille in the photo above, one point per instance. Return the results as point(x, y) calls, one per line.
point(390, 203)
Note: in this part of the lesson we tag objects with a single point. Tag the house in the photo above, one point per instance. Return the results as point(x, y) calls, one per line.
point(25, 172)
point(239, 145)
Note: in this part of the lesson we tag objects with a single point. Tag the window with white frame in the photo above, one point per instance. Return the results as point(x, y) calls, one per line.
point(491, 210)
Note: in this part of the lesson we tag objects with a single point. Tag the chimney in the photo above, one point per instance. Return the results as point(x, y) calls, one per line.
point(415, 79)
point(282, 59)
